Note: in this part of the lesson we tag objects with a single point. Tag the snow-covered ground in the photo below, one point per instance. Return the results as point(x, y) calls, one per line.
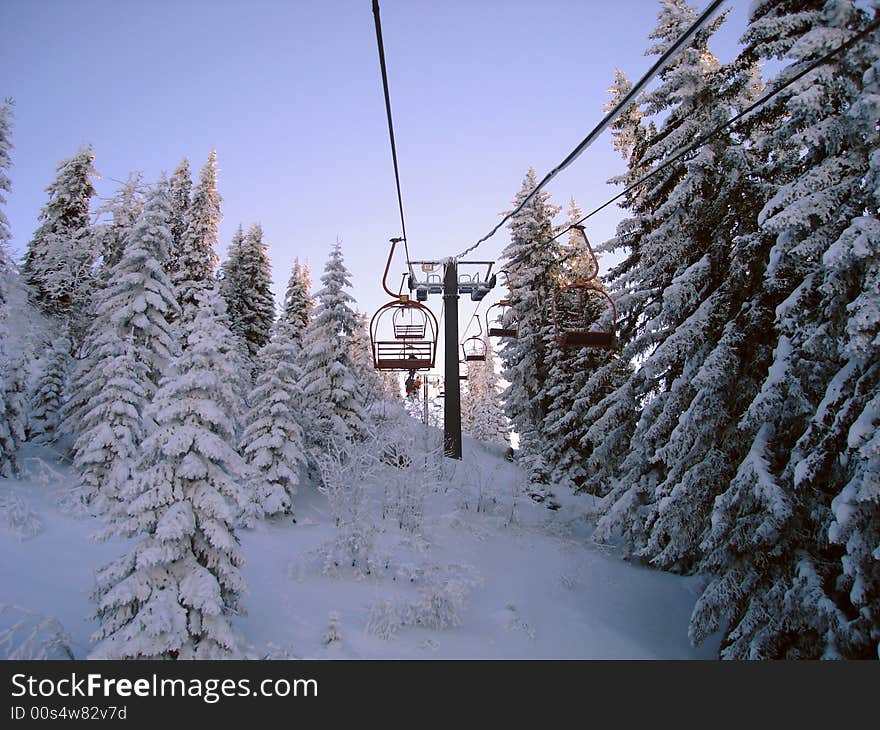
point(511, 579)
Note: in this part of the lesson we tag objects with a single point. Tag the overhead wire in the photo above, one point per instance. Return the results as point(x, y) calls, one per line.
point(473, 315)
point(606, 120)
point(381, 46)
point(700, 141)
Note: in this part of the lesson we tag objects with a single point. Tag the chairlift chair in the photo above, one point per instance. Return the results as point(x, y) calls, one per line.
point(496, 325)
point(584, 314)
point(579, 310)
point(474, 348)
point(403, 332)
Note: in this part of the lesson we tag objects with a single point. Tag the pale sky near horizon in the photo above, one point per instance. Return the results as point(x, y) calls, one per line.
point(289, 94)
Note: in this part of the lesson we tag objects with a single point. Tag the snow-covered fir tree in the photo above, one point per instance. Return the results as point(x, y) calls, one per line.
point(130, 347)
point(373, 387)
point(123, 208)
point(611, 421)
point(13, 388)
point(174, 593)
point(856, 509)
point(578, 378)
point(141, 298)
point(13, 411)
point(681, 244)
point(298, 303)
point(180, 192)
point(532, 275)
point(228, 273)
point(47, 398)
point(13, 406)
point(60, 258)
point(111, 423)
point(273, 441)
point(5, 188)
point(482, 413)
point(334, 403)
point(196, 256)
point(247, 289)
point(804, 428)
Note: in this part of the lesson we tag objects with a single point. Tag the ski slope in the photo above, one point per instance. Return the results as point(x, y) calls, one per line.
point(516, 579)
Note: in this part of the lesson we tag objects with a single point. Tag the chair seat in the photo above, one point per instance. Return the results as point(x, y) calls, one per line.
point(603, 340)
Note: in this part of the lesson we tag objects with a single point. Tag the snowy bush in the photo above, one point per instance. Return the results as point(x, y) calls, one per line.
point(347, 467)
point(74, 501)
point(277, 652)
point(334, 631)
point(384, 619)
point(28, 635)
point(443, 593)
point(410, 471)
point(17, 517)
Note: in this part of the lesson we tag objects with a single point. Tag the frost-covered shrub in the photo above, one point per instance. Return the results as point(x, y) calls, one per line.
point(347, 467)
point(443, 593)
point(17, 517)
point(385, 619)
point(410, 471)
point(334, 630)
point(28, 635)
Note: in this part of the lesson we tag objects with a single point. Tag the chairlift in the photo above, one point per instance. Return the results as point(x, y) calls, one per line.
point(499, 323)
point(474, 348)
point(584, 314)
point(403, 332)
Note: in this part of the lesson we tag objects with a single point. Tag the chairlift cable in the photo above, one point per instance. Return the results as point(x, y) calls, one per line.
point(658, 65)
point(381, 47)
point(700, 141)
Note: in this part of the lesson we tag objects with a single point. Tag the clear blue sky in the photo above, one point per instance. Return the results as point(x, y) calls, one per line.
point(289, 95)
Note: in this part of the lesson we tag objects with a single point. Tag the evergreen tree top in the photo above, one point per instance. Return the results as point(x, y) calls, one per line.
point(336, 278)
point(182, 175)
point(69, 195)
point(203, 226)
point(5, 164)
point(298, 303)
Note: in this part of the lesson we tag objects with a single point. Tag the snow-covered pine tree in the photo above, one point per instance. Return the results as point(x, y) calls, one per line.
point(681, 245)
point(532, 275)
point(298, 303)
point(273, 441)
point(486, 420)
point(5, 187)
point(808, 412)
point(13, 407)
point(174, 593)
point(47, 398)
point(468, 401)
point(124, 208)
point(698, 424)
point(180, 191)
point(372, 387)
point(247, 289)
point(334, 404)
point(141, 298)
point(111, 423)
point(232, 283)
point(130, 347)
point(12, 401)
point(578, 378)
point(60, 258)
point(856, 508)
point(196, 256)
point(612, 420)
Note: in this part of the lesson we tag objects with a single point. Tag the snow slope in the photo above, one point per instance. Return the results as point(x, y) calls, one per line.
point(518, 579)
